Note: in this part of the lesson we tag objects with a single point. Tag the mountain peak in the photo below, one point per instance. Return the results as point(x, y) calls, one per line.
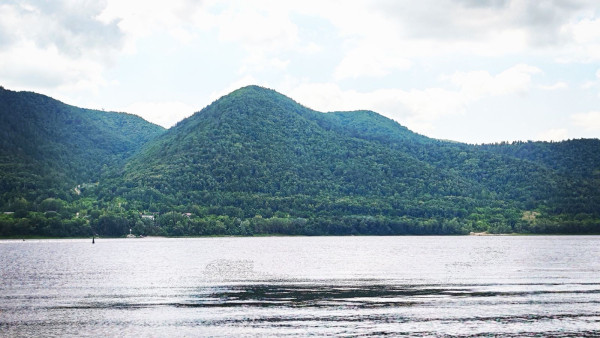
point(247, 104)
point(255, 92)
point(254, 88)
point(252, 91)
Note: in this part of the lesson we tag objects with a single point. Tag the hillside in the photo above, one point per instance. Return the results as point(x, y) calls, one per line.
point(47, 147)
point(257, 162)
point(257, 155)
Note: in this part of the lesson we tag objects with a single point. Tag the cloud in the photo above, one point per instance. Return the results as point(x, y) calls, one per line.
point(260, 31)
point(60, 44)
point(544, 20)
point(583, 44)
point(568, 31)
point(591, 83)
point(416, 62)
point(179, 19)
point(557, 86)
point(377, 37)
point(442, 20)
point(247, 80)
point(476, 84)
point(419, 109)
point(268, 28)
point(541, 21)
point(21, 67)
point(258, 62)
point(588, 84)
point(416, 109)
point(163, 113)
point(70, 26)
point(559, 134)
point(370, 61)
point(589, 121)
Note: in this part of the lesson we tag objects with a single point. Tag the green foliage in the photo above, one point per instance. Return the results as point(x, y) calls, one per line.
point(48, 148)
point(256, 162)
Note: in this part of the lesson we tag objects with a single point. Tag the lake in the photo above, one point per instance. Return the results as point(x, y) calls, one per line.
point(278, 286)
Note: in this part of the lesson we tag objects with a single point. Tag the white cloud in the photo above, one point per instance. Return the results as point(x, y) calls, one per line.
point(563, 30)
point(323, 96)
point(70, 26)
point(476, 84)
point(259, 62)
point(557, 86)
point(418, 109)
point(584, 42)
point(239, 83)
point(591, 83)
point(379, 37)
point(262, 29)
point(142, 18)
point(588, 84)
point(542, 22)
point(165, 114)
point(559, 134)
point(392, 35)
point(589, 121)
point(255, 27)
point(585, 31)
point(370, 61)
point(311, 48)
point(57, 47)
point(391, 52)
point(21, 69)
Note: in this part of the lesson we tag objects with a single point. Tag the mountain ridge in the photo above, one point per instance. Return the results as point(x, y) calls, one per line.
point(257, 162)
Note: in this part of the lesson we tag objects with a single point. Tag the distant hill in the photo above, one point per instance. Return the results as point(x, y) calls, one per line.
point(47, 147)
point(257, 162)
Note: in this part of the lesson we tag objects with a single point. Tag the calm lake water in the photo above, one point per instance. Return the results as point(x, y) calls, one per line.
point(421, 286)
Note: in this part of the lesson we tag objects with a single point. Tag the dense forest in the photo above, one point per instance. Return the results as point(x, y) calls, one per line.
point(256, 162)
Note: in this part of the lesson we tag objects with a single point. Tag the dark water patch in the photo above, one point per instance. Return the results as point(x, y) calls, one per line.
point(348, 317)
point(105, 306)
point(301, 295)
point(320, 295)
point(550, 334)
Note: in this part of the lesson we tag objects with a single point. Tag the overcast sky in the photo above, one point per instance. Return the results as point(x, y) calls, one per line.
point(465, 70)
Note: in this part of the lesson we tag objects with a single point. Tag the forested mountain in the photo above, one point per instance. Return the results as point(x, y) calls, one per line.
point(578, 158)
point(48, 148)
point(257, 162)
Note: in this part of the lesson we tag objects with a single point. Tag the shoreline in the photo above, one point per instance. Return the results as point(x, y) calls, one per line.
point(471, 234)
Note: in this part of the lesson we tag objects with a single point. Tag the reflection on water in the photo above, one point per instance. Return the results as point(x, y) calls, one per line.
point(301, 286)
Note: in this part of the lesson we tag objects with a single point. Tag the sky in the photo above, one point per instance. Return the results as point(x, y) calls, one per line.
point(474, 71)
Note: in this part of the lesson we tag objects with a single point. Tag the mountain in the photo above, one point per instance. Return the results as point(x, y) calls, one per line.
point(258, 141)
point(258, 157)
point(47, 147)
point(576, 158)
point(257, 162)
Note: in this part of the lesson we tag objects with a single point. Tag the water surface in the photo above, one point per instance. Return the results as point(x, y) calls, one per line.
point(420, 286)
